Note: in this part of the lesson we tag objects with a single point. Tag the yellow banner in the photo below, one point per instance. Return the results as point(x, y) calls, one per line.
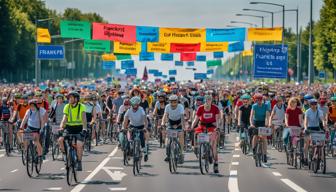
point(43, 35)
point(214, 46)
point(128, 48)
point(182, 35)
point(109, 57)
point(264, 34)
point(158, 47)
point(247, 53)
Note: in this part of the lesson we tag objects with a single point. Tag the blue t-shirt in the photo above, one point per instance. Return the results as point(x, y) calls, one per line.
point(260, 111)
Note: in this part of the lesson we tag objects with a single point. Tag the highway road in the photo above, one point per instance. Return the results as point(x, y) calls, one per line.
point(104, 171)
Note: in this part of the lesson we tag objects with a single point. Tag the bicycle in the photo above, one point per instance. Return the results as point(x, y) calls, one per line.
point(88, 138)
point(259, 155)
point(125, 146)
point(55, 148)
point(32, 159)
point(137, 153)
point(316, 152)
point(174, 149)
point(295, 149)
point(245, 143)
point(277, 136)
point(331, 143)
point(5, 134)
point(70, 144)
point(205, 153)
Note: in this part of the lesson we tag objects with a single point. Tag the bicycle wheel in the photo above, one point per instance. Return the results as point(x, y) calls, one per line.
point(38, 164)
point(244, 147)
point(54, 149)
point(136, 157)
point(70, 167)
point(88, 141)
point(30, 158)
point(323, 162)
point(23, 155)
point(173, 157)
point(203, 159)
point(280, 143)
point(7, 145)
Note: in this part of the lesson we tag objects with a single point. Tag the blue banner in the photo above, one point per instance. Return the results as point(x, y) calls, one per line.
point(164, 76)
point(172, 79)
point(146, 56)
point(322, 75)
point(127, 64)
point(270, 61)
point(200, 76)
point(144, 47)
point(178, 63)
point(172, 72)
point(225, 35)
point(158, 74)
point(190, 64)
point(167, 57)
point(238, 46)
point(147, 34)
point(131, 71)
point(210, 71)
point(108, 65)
point(200, 58)
point(218, 54)
point(153, 71)
point(50, 52)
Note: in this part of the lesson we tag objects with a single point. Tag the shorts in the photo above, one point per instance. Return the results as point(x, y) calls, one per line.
point(201, 129)
point(74, 129)
point(32, 129)
point(307, 131)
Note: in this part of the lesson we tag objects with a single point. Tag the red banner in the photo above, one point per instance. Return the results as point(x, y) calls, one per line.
point(114, 32)
point(184, 47)
point(188, 57)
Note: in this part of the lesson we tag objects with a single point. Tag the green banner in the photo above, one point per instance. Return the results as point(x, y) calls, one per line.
point(97, 45)
point(75, 29)
point(123, 56)
point(213, 63)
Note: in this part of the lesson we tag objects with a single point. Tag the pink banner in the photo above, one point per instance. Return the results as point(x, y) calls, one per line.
point(188, 57)
point(184, 47)
point(114, 32)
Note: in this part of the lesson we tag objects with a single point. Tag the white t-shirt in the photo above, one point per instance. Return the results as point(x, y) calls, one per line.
point(136, 118)
point(175, 114)
point(34, 119)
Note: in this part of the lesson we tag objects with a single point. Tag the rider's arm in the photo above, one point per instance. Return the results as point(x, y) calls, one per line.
point(251, 118)
point(24, 121)
point(271, 116)
point(64, 121)
point(125, 123)
point(196, 119)
point(217, 120)
point(239, 117)
point(146, 121)
point(267, 118)
point(286, 119)
point(301, 120)
point(84, 120)
point(94, 116)
point(305, 122)
point(15, 114)
point(155, 110)
point(164, 118)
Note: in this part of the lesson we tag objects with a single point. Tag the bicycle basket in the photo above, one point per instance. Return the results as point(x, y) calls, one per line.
point(317, 138)
point(172, 133)
point(55, 129)
point(294, 131)
point(203, 138)
point(28, 136)
point(263, 131)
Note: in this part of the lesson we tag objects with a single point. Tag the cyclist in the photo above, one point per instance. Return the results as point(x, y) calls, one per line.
point(306, 99)
point(158, 113)
point(74, 122)
point(136, 118)
point(35, 121)
point(226, 109)
point(293, 118)
point(244, 113)
point(312, 122)
point(174, 114)
point(332, 119)
point(19, 114)
point(5, 114)
point(277, 117)
point(91, 113)
point(259, 118)
point(209, 117)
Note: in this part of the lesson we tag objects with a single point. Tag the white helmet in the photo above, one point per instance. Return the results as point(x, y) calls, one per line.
point(173, 98)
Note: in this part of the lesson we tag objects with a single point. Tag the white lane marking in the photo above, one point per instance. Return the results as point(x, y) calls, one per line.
point(81, 186)
point(233, 173)
point(235, 163)
point(237, 138)
point(44, 161)
point(292, 185)
point(237, 149)
point(63, 168)
point(115, 175)
point(15, 170)
point(237, 144)
point(89, 171)
point(264, 165)
point(277, 174)
point(117, 157)
point(236, 156)
point(53, 189)
point(233, 181)
point(2, 150)
point(2, 155)
point(118, 189)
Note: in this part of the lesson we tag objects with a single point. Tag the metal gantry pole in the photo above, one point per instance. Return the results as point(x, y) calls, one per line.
point(36, 53)
point(311, 72)
point(298, 65)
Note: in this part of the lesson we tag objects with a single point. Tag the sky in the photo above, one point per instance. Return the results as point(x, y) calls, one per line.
point(189, 13)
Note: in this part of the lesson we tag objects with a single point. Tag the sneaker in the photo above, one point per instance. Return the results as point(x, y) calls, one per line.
point(79, 166)
point(43, 157)
point(146, 158)
point(265, 159)
point(64, 157)
point(216, 168)
point(181, 159)
point(166, 159)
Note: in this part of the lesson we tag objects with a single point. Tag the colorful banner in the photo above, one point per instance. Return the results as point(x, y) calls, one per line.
point(217, 55)
point(238, 46)
point(146, 56)
point(172, 72)
point(128, 48)
point(167, 57)
point(75, 29)
point(109, 57)
point(225, 35)
point(182, 35)
point(200, 58)
point(43, 35)
point(264, 34)
point(200, 76)
point(214, 46)
point(131, 71)
point(127, 64)
point(270, 61)
point(179, 63)
point(247, 53)
point(109, 65)
point(188, 56)
point(214, 63)
point(153, 71)
point(123, 56)
point(184, 47)
point(144, 47)
point(147, 34)
point(158, 47)
point(210, 71)
point(190, 64)
point(114, 32)
point(97, 45)
point(50, 52)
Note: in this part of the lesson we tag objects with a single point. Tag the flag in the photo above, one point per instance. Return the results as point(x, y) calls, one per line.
point(43, 35)
point(145, 74)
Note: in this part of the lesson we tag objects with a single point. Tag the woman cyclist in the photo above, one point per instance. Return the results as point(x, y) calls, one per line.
point(244, 113)
point(209, 117)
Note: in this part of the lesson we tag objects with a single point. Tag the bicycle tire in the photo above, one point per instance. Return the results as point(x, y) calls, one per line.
point(7, 145)
point(30, 160)
point(38, 164)
point(171, 157)
point(324, 162)
point(136, 158)
point(201, 154)
point(23, 155)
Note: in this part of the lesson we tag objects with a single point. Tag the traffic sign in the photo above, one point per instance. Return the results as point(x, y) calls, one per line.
point(50, 52)
point(322, 75)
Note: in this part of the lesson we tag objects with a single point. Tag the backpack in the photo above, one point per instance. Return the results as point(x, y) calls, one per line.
point(5, 112)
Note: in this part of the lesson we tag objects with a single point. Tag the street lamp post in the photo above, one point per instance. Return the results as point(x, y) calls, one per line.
point(262, 11)
point(283, 15)
point(257, 16)
point(311, 65)
point(242, 22)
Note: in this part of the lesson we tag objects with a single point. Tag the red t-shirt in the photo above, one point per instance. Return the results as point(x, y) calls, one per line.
point(273, 103)
point(293, 116)
point(239, 103)
point(207, 116)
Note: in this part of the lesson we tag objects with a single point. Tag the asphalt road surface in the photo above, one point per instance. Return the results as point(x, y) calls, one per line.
point(104, 171)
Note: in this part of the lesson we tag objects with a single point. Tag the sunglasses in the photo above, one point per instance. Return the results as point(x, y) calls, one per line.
point(313, 104)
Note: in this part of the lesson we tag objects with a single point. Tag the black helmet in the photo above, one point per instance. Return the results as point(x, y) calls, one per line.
point(74, 94)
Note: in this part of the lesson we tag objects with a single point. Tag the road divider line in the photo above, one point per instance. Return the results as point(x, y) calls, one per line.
point(237, 138)
point(81, 186)
point(15, 170)
point(277, 174)
point(63, 168)
point(235, 163)
point(2, 155)
point(118, 189)
point(53, 189)
point(233, 181)
point(292, 185)
point(236, 156)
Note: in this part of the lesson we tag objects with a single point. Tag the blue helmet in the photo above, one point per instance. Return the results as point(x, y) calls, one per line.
point(308, 97)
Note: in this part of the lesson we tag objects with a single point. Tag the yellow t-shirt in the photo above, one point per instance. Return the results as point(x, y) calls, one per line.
point(74, 118)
